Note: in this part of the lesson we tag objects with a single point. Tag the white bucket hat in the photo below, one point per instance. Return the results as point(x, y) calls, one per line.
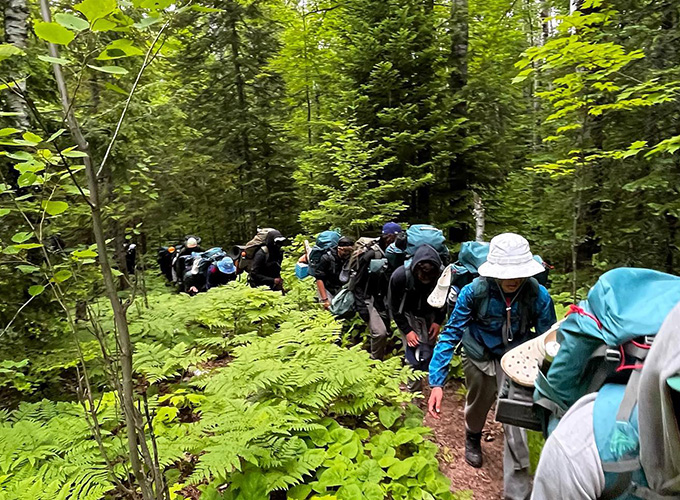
point(192, 243)
point(523, 362)
point(510, 258)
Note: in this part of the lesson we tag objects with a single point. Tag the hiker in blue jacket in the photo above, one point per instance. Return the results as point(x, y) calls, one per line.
point(502, 308)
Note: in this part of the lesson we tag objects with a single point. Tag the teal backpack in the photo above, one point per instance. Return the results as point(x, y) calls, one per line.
point(605, 337)
point(326, 241)
point(425, 234)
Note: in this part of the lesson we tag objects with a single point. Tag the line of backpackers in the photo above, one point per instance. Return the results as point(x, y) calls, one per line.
point(603, 384)
point(194, 270)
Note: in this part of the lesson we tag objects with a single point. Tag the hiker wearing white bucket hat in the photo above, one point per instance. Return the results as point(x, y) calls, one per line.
point(502, 308)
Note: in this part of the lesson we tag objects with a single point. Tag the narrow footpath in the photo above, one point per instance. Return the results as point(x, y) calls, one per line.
point(449, 434)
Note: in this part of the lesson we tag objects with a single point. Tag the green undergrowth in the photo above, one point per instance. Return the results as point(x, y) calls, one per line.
point(251, 397)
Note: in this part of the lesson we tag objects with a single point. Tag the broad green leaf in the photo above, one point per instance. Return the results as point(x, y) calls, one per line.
point(53, 33)
point(31, 137)
point(22, 237)
point(36, 290)
point(118, 49)
point(28, 269)
point(399, 469)
point(114, 70)
point(96, 9)
point(4, 211)
point(334, 476)
point(27, 179)
point(71, 22)
point(73, 153)
point(85, 254)
point(350, 492)
point(62, 276)
point(372, 491)
point(55, 207)
point(20, 155)
point(388, 415)
point(8, 131)
point(8, 50)
point(55, 60)
point(299, 492)
point(166, 414)
point(103, 25)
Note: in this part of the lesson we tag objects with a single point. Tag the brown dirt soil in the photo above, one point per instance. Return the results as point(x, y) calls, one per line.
point(449, 433)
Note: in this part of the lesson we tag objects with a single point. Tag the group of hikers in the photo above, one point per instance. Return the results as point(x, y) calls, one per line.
point(194, 270)
point(603, 384)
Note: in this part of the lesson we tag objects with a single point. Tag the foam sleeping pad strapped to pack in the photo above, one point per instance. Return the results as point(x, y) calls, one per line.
point(625, 308)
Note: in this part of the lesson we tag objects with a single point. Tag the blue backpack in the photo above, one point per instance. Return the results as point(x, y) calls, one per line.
point(324, 243)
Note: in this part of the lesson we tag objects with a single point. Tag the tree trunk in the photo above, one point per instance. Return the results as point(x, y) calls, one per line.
point(133, 419)
point(480, 219)
point(245, 168)
point(458, 174)
point(16, 33)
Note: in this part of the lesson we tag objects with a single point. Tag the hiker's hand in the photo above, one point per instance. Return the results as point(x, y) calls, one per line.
point(278, 282)
point(434, 331)
point(193, 289)
point(435, 402)
point(412, 339)
point(326, 304)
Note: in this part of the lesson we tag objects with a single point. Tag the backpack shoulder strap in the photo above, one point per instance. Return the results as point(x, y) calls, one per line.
point(408, 286)
point(480, 287)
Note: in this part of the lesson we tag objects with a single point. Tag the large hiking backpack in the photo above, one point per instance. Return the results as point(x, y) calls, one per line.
point(605, 337)
point(243, 254)
point(425, 234)
point(325, 242)
point(636, 426)
point(472, 254)
point(196, 275)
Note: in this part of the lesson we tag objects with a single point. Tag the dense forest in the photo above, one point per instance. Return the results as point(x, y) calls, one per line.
point(142, 121)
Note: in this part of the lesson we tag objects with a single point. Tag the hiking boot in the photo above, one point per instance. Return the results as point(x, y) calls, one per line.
point(473, 448)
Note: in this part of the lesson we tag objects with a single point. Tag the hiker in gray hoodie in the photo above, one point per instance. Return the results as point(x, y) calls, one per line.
point(584, 456)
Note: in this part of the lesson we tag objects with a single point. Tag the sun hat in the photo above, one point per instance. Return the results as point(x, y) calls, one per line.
point(192, 242)
point(391, 228)
point(510, 258)
point(226, 265)
point(437, 298)
point(523, 362)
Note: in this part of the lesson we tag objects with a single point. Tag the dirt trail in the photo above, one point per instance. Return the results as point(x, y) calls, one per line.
point(449, 432)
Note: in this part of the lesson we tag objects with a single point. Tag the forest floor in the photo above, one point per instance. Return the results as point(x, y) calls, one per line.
point(449, 433)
